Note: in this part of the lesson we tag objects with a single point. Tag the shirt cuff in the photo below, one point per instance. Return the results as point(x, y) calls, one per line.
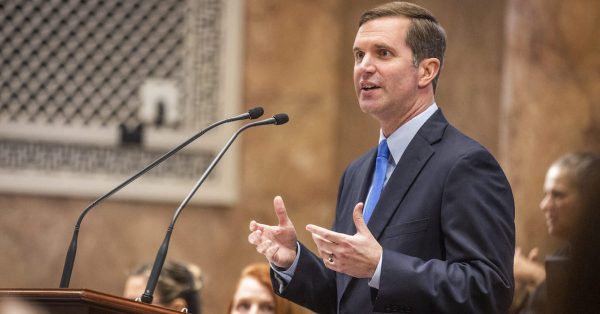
point(286, 274)
point(374, 282)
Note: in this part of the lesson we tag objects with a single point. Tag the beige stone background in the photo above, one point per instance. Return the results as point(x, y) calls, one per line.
point(521, 76)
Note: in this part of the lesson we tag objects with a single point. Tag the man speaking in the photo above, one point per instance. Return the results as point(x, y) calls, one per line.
point(425, 221)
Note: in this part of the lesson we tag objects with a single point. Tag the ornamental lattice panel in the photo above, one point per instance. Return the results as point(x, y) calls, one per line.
point(91, 91)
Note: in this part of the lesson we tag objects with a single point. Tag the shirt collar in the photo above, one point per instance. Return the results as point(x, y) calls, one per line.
point(399, 140)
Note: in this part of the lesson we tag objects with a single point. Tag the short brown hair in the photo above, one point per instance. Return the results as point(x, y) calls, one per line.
point(426, 37)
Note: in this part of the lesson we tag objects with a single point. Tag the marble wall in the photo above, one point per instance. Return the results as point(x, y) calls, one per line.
point(527, 88)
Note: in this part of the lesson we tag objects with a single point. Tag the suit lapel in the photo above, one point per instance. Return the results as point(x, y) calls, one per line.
point(359, 188)
point(418, 152)
point(365, 175)
point(414, 159)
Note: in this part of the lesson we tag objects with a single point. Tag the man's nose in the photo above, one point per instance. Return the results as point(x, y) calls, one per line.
point(366, 64)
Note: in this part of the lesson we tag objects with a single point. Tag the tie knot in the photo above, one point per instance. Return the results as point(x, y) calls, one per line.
point(383, 150)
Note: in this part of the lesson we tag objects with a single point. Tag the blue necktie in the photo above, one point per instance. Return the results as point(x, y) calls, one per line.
point(383, 154)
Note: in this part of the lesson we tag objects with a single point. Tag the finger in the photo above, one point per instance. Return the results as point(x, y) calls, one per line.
point(256, 226)
point(255, 237)
point(280, 211)
point(325, 254)
point(328, 258)
point(325, 247)
point(359, 220)
point(330, 262)
point(262, 248)
point(533, 254)
point(326, 234)
point(271, 251)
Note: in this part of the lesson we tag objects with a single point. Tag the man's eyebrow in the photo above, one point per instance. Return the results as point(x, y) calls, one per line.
point(384, 46)
point(377, 46)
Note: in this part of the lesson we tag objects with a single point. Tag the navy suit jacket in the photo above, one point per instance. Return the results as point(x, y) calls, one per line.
point(445, 221)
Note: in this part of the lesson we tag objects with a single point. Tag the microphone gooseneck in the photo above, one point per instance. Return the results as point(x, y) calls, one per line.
point(147, 297)
point(72, 251)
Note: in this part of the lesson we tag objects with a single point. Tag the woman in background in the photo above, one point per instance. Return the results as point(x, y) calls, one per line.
point(254, 294)
point(570, 203)
point(582, 289)
point(178, 286)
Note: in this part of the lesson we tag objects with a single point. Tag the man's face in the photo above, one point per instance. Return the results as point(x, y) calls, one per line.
point(561, 204)
point(385, 78)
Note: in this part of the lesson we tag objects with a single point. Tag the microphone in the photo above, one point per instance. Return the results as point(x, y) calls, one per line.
point(72, 251)
point(147, 297)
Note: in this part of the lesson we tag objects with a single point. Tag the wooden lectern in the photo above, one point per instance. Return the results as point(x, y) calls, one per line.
point(80, 301)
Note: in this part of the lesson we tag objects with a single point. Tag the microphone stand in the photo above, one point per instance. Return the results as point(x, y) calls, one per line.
point(147, 297)
point(72, 251)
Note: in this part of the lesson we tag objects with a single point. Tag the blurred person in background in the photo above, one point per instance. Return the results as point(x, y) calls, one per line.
point(568, 200)
point(582, 290)
point(16, 306)
point(178, 286)
point(254, 294)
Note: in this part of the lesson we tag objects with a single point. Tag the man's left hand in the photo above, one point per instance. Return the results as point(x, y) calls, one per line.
point(355, 255)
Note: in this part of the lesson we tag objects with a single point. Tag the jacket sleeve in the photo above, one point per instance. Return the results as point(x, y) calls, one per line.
point(312, 286)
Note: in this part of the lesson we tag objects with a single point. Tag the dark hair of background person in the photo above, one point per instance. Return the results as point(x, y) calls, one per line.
point(261, 272)
point(426, 37)
point(582, 287)
point(580, 166)
point(177, 280)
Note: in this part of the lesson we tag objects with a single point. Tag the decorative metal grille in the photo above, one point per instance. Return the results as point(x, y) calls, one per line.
point(89, 159)
point(75, 69)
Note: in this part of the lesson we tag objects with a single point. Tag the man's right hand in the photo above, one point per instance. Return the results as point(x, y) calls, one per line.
point(277, 243)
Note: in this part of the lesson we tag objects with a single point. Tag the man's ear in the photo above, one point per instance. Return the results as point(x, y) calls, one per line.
point(428, 70)
point(178, 304)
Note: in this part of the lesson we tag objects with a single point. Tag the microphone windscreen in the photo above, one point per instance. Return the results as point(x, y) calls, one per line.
point(256, 112)
point(281, 118)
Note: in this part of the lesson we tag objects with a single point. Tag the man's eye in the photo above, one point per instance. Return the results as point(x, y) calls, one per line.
point(385, 53)
point(359, 55)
